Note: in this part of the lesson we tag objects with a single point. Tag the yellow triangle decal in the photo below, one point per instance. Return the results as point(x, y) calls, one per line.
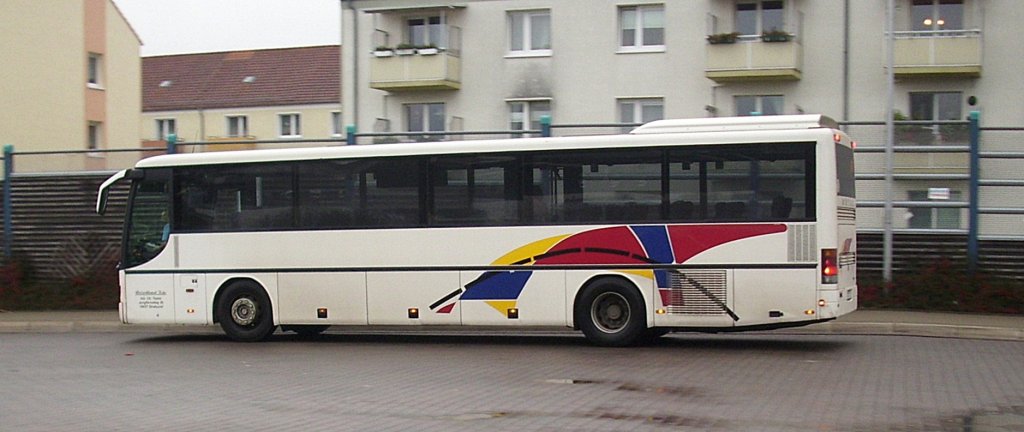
point(502, 305)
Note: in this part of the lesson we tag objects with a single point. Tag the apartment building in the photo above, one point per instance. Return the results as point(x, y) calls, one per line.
point(71, 81)
point(502, 64)
point(273, 94)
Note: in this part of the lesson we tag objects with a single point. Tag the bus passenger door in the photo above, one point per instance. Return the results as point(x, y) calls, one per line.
point(190, 299)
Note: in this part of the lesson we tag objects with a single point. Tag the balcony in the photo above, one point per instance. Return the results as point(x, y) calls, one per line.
point(932, 162)
point(423, 69)
point(943, 53)
point(751, 59)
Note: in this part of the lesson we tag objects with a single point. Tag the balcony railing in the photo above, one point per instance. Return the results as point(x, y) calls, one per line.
point(937, 53)
point(751, 59)
point(423, 69)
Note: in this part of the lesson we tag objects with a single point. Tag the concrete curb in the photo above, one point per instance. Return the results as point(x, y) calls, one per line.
point(912, 329)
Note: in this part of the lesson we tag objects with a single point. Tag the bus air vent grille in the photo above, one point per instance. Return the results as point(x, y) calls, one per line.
point(698, 293)
point(802, 243)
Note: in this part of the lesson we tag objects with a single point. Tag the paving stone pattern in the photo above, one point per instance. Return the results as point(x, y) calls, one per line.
point(748, 382)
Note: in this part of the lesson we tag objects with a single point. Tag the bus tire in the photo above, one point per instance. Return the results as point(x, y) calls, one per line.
point(610, 312)
point(245, 313)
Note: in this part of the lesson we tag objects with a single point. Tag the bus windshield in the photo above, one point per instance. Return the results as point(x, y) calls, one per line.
point(148, 224)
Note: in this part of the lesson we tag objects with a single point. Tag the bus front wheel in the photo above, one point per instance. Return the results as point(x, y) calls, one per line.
point(610, 312)
point(245, 313)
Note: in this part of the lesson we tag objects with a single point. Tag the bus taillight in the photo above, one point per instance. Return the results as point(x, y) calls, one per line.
point(829, 266)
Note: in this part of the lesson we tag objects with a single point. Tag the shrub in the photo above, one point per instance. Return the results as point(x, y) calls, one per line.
point(944, 286)
point(21, 289)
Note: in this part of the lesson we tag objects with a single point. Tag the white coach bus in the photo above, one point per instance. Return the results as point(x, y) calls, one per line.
point(721, 224)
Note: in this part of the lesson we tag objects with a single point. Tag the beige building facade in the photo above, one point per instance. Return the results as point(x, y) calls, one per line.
point(244, 97)
point(71, 81)
point(501, 64)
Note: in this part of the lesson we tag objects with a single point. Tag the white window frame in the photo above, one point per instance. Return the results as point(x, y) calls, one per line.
point(94, 136)
point(426, 36)
point(530, 107)
point(527, 50)
point(638, 105)
point(758, 104)
point(937, 25)
point(164, 126)
point(296, 125)
point(336, 129)
point(759, 25)
point(94, 71)
point(639, 44)
point(425, 116)
point(935, 214)
point(243, 131)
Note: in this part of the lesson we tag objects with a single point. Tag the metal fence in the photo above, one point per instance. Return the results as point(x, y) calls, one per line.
point(974, 172)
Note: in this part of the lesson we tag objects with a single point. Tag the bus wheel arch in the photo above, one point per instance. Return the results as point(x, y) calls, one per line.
point(611, 311)
point(243, 308)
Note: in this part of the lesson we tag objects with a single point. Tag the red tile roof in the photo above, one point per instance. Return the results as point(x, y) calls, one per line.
point(286, 76)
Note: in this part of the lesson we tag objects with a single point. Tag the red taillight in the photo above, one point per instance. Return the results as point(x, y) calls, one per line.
point(829, 266)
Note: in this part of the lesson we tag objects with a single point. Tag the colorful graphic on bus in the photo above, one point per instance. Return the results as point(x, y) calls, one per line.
point(619, 245)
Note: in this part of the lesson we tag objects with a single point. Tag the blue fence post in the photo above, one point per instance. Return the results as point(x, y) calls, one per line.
point(350, 135)
point(8, 208)
point(975, 176)
point(172, 143)
point(545, 125)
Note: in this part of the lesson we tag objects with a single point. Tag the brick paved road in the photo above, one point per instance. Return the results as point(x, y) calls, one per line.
point(82, 382)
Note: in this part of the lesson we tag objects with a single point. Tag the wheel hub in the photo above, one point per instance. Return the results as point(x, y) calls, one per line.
point(244, 311)
point(610, 312)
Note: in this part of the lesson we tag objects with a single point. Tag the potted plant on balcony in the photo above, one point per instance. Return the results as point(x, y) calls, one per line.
point(776, 35)
point(383, 51)
point(405, 49)
point(427, 49)
point(723, 38)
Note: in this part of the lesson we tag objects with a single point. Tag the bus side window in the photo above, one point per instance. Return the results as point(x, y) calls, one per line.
point(782, 206)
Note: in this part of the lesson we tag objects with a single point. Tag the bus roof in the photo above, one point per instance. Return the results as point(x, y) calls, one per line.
point(662, 132)
point(736, 124)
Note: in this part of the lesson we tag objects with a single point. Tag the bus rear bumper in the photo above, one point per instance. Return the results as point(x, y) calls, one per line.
point(836, 303)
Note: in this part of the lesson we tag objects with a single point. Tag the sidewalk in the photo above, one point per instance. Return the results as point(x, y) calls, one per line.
point(861, 322)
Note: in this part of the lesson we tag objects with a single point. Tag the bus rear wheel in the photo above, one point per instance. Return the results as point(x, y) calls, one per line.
point(610, 312)
point(245, 313)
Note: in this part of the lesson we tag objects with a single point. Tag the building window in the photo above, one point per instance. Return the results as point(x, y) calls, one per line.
point(336, 129)
point(424, 31)
point(935, 106)
point(425, 117)
point(642, 27)
point(641, 110)
point(291, 126)
point(933, 218)
point(936, 15)
point(95, 71)
point(530, 32)
point(238, 126)
point(165, 127)
point(938, 106)
point(525, 115)
point(756, 17)
point(759, 105)
point(95, 136)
